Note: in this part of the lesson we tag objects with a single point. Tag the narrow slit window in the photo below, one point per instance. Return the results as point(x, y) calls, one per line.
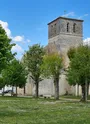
point(55, 28)
point(67, 27)
point(74, 27)
point(51, 30)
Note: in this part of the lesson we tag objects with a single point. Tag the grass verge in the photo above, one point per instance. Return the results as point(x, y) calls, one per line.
point(42, 111)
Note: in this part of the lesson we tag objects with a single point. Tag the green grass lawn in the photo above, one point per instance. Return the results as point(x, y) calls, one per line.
point(70, 97)
point(42, 111)
point(73, 97)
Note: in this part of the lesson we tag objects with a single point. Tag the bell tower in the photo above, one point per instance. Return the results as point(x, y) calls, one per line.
point(65, 32)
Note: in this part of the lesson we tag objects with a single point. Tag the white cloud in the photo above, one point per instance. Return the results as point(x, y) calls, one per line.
point(15, 39)
point(69, 14)
point(18, 38)
point(73, 14)
point(17, 48)
point(83, 16)
point(5, 26)
point(28, 40)
point(19, 57)
point(86, 41)
point(86, 14)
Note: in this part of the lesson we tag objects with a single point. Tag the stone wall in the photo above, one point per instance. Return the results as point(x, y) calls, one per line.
point(65, 26)
point(46, 87)
point(64, 43)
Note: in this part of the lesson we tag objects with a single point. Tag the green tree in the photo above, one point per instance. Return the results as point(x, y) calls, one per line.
point(15, 74)
point(71, 52)
point(33, 60)
point(5, 49)
point(79, 69)
point(2, 84)
point(51, 67)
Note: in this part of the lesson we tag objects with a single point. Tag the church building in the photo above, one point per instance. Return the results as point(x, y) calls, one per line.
point(63, 33)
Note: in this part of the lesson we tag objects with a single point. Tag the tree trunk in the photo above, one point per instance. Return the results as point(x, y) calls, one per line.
point(56, 84)
point(16, 90)
point(84, 92)
point(12, 91)
point(87, 89)
point(36, 91)
point(3, 91)
point(24, 90)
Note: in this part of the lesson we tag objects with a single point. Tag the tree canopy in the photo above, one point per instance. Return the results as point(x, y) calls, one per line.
point(5, 49)
point(51, 68)
point(33, 60)
point(15, 74)
point(1, 82)
point(79, 69)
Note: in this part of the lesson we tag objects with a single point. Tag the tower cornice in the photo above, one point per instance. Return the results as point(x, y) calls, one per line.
point(65, 19)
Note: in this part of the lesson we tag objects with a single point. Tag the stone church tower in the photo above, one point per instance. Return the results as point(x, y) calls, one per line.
point(63, 33)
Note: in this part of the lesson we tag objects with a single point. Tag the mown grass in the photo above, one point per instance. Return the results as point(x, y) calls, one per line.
point(73, 97)
point(43, 111)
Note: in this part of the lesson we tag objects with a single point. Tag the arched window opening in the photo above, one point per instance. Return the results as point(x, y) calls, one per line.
point(74, 27)
point(67, 27)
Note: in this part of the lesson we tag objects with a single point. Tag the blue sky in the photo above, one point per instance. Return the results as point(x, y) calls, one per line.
point(25, 21)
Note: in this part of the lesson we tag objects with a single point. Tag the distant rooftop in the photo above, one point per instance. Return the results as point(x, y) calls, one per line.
point(66, 19)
